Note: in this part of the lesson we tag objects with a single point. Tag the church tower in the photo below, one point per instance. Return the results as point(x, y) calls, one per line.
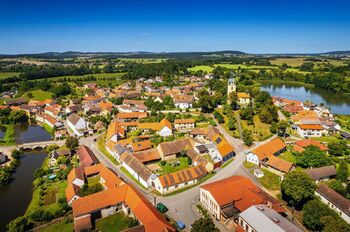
point(231, 86)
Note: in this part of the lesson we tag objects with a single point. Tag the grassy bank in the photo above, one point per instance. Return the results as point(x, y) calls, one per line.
point(9, 137)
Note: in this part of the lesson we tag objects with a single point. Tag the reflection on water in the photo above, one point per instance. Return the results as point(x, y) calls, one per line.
point(26, 133)
point(339, 104)
point(15, 197)
point(2, 132)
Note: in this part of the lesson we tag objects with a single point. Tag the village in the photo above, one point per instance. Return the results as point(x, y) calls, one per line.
point(144, 140)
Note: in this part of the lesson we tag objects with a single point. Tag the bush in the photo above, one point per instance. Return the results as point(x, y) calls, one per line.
point(163, 162)
point(16, 154)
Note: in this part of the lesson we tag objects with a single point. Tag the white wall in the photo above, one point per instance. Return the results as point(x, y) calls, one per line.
point(209, 203)
point(333, 207)
point(252, 158)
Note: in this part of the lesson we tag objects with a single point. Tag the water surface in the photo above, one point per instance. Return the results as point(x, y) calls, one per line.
point(16, 196)
point(339, 104)
point(26, 133)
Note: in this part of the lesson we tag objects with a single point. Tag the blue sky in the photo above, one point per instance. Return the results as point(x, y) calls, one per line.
point(163, 26)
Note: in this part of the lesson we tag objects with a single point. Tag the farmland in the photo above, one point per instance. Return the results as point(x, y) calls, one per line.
point(8, 74)
point(39, 95)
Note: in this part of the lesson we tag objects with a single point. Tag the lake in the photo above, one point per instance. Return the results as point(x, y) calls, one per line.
point(339, 104)
point(26, 133)
point(16, 196)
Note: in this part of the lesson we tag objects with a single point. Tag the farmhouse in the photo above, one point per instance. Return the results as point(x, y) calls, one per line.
point(77, 124)
point(322, 174)
point(335, 201)
point(226, 198)
point(184, 124)
point(163, 128)
point(311, 130)
point(300, 145)
point(86, 156)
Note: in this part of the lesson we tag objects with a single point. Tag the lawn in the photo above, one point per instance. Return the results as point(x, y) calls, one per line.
point(204, 68)
point(270, 180)
point(261, 131)
point(344, 121)
point(61, 226)
point(47, 127)
point(327, 139)
point(249, 165)
point(39, 95)
point(288, 156)
point(93, 180)
point(169, 168)
point(9, 136)
point(8, 74)
point(115, 222)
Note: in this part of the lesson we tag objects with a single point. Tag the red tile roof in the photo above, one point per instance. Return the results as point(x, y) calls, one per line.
point(86, 156)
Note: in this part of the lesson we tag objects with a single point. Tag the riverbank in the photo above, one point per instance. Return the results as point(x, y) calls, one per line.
point(278, 81)
point(9, 136)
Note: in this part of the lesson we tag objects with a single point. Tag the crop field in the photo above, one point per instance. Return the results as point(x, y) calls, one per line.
point(297, 61)
point(143, 60)
point(8, 74)
point(204, 68)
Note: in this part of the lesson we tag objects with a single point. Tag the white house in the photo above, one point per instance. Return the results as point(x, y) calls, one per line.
point(311, 130)
point(335, 201)
point(77, 124)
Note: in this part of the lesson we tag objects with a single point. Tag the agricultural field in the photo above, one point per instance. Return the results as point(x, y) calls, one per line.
point(204, 68)
point(8, 74)
point(142, 60)
point(297, 61)
point(39, 95)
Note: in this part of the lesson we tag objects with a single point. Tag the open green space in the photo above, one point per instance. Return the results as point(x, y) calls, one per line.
point(61, 226)
point(9, 136)
point(204, 68)
point(8, 74)
point(170, 166)
point(288, 156)
point(115, 222)
point(93, 180)
point(101, 144)
point(270, 180)
point(143, 60)
point(38, 94)
point(328, 139)
point(344, 121)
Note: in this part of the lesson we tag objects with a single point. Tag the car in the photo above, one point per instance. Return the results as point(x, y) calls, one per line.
point(162, 208)
point(181, 225)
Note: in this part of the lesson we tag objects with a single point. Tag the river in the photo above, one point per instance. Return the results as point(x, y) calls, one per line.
point(339, 104)
point(26, 133)
point(16, 196)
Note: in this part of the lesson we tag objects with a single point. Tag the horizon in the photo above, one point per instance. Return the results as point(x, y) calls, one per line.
point(296, 27)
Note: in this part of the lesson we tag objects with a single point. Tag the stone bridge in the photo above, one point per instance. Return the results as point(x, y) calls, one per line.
point(40, 145)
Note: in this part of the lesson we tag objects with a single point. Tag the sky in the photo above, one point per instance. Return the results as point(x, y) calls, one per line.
point(252, 26)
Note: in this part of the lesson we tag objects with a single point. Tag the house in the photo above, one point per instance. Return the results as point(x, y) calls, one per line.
point(141, 145)
point(106, 107)
point(15, 102)
point(269, 220)
point(86, 156)
point(163, 128)
point(75, 181)
point(137, 169)
point(129, 117)
point(170, 150)
point(334, 201)
point(300, 145)
point(184, 124)
point(243, 98)
point(115, 132)
point(322, 174)
point(147, 156)
point(58, 153)
point(311, 130)
point(183, 101)
point(53, 111)
point(345, 135)
point(117, 196)
point(226, 198)
point(178, 180)
point(293, 109)
point(59, 134)
point(73, 109)
point(226, 151)
point(266, 155)
point(77, 124)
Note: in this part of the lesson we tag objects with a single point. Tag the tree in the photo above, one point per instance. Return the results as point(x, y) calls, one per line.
point(16, 154)
point(231, 124)
point(132, 222)
point(29, 95)
point(343, 171)
point(18, 116)
point(297, 188)
point(246, 113)
point(204, 225)
point(263, 98)
point(314, 210)
point(332, 224)
point(72, 143)
point(233, 99)
point(312, 156)
point(19, 224)
point(265, 116)
point(205, 101)
point(247, 137)
point(338, 148)
point(168, 102)
point(338, 186)
point(282, 127)
point(219, 117)
point(4, 177)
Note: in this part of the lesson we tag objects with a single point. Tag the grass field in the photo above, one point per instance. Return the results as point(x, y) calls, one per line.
point(61, 226)
point(204, 68)
point(115, 222)
point(270, 180)
point(344, 121)
point(169, 168)
point(288, 156)
point(8, 74)
point(39, 95)
point(297, 61)
point(9, 136)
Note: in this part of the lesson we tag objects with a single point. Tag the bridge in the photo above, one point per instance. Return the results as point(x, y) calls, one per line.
point(39, 145)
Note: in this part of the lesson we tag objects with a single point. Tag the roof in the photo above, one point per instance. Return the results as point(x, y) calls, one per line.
point(311, 127)
point(243, 95)
point(183, 121)
point(86, 156)
point(269, 220)
point(280, 164)
point(147, 155)
point(223, 146)
point(270, 148)
point(322, 172)
point(132, 115)
point(83, 223)
point(114, 129)
point(240, 191)
point(143, 172)
point(140, 146)
point(73, 118)
point(106, 106)
point(174, 147)
point(185, 175)
point(199, 131)
point(156, 126)
point(309, 142)
point(338, 200)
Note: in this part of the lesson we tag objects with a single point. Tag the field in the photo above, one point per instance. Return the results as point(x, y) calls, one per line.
point(143, 60)
point(204, 68)
point(270, 180)
point(116, 222)
point(297, 61)
point(39, 95)
point(8, 74)
point(344, 122)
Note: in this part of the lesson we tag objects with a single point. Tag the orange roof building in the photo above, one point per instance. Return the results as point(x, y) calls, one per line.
point(228, 197)
point(300, 145)
point(117, 196)
point(163, 128)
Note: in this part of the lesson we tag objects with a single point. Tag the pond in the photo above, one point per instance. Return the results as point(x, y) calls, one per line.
point(339, 104)
point(16, 196)
point(26, 133)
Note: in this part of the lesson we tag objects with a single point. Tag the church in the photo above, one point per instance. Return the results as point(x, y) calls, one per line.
point(243, 97)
